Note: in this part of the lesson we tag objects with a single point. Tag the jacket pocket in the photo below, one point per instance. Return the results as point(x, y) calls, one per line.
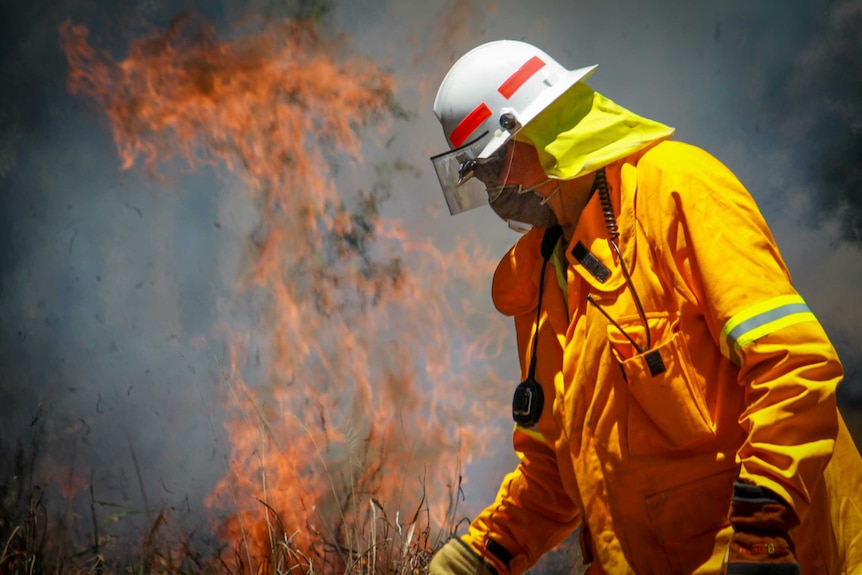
point(690, 521)
point(667, 407)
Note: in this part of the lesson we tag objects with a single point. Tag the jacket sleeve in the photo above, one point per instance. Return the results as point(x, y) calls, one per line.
point(723, 248)
point(533, 511)
point(531, 514)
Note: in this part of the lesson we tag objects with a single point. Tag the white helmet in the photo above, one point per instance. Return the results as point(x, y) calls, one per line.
point(489, 94)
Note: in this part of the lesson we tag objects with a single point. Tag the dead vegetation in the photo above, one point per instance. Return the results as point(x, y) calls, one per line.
point(35, 540)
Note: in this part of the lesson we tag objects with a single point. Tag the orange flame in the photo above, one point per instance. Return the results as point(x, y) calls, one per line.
point(362, 395)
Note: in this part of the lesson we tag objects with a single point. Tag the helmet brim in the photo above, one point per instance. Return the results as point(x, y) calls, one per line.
point(555, 91)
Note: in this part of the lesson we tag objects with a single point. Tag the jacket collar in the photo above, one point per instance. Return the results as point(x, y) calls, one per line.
point(516, 283)
point(589, 252)
point(515, 286)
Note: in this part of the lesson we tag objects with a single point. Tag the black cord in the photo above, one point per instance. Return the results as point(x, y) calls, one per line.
point(601, 183)
point(549, 243)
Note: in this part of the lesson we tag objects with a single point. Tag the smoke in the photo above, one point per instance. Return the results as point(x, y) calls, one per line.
point(352, 370)
point(819, 109)
point(808, 105)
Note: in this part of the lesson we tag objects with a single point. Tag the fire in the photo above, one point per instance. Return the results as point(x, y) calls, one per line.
point(356, 420)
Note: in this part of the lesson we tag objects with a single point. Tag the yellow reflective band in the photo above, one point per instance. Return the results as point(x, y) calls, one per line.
point(762, 319)
point(537, 435)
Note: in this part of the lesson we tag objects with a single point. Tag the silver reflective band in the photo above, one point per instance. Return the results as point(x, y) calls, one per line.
point(761, 319)
point(462, 191)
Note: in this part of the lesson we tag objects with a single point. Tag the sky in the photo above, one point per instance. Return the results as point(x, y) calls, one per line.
point(114, 284)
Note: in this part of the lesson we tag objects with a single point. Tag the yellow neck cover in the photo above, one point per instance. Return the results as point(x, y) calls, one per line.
point(583, 131)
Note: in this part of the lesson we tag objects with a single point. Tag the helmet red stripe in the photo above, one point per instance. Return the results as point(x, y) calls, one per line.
point(472, 121)
point(524, 73)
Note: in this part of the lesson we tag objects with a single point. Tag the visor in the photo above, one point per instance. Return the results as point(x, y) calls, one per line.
point(463, 174)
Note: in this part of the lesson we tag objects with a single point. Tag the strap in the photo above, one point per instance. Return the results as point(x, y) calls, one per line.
point(549, 242)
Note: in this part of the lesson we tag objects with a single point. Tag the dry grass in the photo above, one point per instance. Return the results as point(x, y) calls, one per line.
point(390, 549)
point(33, 542)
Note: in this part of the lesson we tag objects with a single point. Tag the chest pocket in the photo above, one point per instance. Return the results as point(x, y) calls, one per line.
point(667, 409)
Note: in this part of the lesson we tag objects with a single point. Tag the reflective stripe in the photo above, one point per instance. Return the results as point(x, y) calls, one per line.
point(762, 319)
point(469, 124)
point(521, 75)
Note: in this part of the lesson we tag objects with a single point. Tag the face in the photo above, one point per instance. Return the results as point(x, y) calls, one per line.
point(518, 191)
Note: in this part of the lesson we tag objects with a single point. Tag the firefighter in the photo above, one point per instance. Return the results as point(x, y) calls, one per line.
point(677, 396)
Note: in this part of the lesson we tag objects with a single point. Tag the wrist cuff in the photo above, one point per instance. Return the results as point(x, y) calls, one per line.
point(750, 493)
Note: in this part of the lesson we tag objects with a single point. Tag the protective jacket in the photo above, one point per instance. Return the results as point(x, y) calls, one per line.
point(646, 425)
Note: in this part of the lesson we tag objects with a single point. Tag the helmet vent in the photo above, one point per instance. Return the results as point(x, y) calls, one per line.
point(551, 78)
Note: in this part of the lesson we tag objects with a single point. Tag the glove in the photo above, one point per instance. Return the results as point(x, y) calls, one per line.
point(760, 544)
point(458, 558)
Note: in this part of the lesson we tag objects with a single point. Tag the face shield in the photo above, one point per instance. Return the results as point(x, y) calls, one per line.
point(463, 174)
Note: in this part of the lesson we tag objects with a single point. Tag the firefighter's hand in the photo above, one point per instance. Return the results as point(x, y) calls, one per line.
point(457, 558)
point(760, 542)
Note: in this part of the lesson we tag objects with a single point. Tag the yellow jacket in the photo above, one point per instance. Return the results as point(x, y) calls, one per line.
point(646, 462)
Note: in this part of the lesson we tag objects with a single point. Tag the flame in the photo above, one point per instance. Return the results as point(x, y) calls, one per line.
point(361, 405)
